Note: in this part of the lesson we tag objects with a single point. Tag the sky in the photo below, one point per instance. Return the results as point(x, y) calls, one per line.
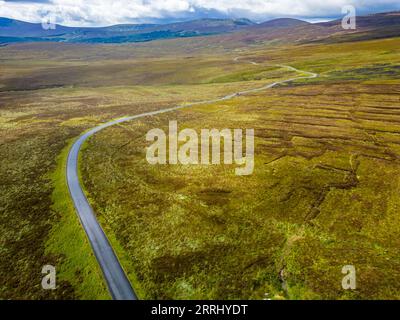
point(110, 12)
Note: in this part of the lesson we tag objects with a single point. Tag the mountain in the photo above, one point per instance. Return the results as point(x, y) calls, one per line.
point(374, 26)
point(235, 31)
point(15, 28)
point(283, 23)
point(207, 25)
point(377, 20)
point(18, 31)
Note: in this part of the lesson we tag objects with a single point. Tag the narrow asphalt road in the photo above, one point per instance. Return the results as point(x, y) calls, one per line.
point(116, 279)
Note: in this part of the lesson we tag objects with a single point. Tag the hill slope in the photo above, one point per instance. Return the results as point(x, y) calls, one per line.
point(18, 31)
point(244, 31)
point(376, 26)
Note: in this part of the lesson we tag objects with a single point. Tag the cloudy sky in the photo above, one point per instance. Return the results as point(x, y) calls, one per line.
point(109, 12)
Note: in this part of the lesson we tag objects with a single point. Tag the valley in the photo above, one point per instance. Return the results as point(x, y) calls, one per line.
point(323, 194)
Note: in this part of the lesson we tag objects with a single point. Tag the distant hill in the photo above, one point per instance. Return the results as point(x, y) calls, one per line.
point(374, 26)
point(377, 20)
point(207, 25)
point(18, 31)
point(283, 23)
point(15, 28)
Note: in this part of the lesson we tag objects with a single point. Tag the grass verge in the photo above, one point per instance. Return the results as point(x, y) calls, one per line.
point(67, 239)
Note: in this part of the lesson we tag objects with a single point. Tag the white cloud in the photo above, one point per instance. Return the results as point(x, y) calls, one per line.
point(107, 12)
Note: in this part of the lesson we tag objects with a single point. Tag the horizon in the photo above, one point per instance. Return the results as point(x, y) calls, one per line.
point(312, 21)
point(103, 13)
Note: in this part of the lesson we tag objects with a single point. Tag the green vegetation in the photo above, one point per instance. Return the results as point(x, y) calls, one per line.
point(324, 192)
point(251, 75)
point(79, 266)
point(37, 220)
point(38, 225)
point(322, 195)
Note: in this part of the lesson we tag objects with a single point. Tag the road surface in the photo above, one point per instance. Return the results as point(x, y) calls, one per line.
point(115, 277)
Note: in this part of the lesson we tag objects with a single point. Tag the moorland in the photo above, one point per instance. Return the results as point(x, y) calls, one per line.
point(324, 192)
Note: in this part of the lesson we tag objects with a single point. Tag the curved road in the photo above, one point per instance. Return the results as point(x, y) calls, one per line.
point(116, 279)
